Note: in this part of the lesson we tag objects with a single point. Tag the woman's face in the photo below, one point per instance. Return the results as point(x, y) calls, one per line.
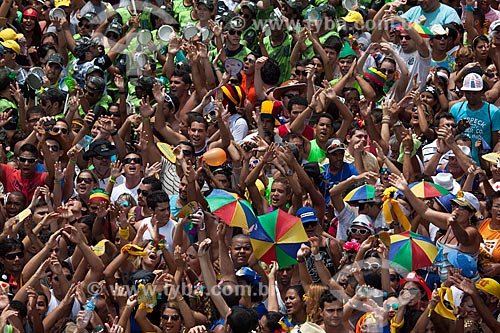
point(414, 290)
point(388, 69)
point(249, 64)
point(84, 183)
point(28, 23)
point(171, 321)
point(192, 261)
point(491, 75)
point(470, 309)
point(124, 202)
point(428, 98)
point(152, 258)
point(369, 326)
point(481, 50)
point(463, 214)
point(318, 65)
point(293, 303)
point(461, 62)
point(372, 264)
point(392, 306)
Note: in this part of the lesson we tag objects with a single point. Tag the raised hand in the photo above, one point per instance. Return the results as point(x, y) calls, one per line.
point(145, 108)
point(398, 182)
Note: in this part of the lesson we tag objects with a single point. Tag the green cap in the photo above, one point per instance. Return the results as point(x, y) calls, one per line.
point(347, 51)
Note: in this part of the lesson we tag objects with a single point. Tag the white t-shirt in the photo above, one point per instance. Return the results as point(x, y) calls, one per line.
point(416, 64)
point(122, 189)
point(167, 230)
point(347, 215)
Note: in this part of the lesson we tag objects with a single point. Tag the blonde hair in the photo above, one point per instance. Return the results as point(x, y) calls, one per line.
point(313, 295)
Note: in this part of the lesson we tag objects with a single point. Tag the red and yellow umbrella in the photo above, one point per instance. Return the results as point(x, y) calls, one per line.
point(233, 210)
point(426, 190)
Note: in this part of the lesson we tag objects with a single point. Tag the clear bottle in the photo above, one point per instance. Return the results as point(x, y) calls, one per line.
point(87, 311)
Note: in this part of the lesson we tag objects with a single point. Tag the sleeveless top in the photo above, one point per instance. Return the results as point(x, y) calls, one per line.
point(327, 260)
point(316, 154)
point(491, 240)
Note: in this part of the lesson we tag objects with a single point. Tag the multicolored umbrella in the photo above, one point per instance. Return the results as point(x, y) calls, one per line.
point(422, 30)
point(277, 236)
point(411, 251)
point(233, 210)
point(426, 190)
point(362, 193)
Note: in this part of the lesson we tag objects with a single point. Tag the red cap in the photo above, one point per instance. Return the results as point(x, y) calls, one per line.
point(30, 12)
point(414, 277)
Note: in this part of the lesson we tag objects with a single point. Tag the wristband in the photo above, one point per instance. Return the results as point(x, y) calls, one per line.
point(407, 152)
point(112, 180)
point(146, 118)
point(300, 260)
point(124, 233)
point(72, 161)
point(57, 182)
point(469, 8)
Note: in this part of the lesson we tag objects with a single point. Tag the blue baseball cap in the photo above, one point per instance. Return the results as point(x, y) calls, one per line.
point(463, 261)
point(445, 202)
point(248, 275)
point(307, 215)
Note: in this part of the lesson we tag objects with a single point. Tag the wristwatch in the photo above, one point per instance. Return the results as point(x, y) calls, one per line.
point(317, 257)
point(289, 172)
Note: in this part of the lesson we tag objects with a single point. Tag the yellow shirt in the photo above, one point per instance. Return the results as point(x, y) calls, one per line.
point(369, 161)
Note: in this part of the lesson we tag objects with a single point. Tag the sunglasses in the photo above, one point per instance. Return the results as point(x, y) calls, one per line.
point(54, 148)
point(136, 160)
point(85, 180)
point(235, 32)
point(300, 73)
point(404, 37)
point(439, 37)
point(491, 75)
point(112, 35)
point(115, 114)
point(387, 71)
point(12, 256)
point(59, 129)
point(310, 225)
point(393, 277)
point(371, 265)
point(252, 61)
point(123, 203)
point(168, 99)
point(172, 317)
point(27, 160)
point(143, 192)
point(56, 278)
point(84, 25)
point(187, 153)
point(384, 171)
point(358, 231)
point(394, 306)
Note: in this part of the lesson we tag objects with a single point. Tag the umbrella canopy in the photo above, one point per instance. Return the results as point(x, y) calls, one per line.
point(277, 236)
point(426, 190)
point(233, 210)
point(411, 251)
point(361, 193)
point(422, 30)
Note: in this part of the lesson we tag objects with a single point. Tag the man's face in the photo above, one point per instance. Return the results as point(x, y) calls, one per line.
point(427, 5)
point(53, 72)
point(162, 212)
point(332, 55)
point(284, 276)
point(13, 261)
point(140, 92)
point(285, 98)
point(183, 189)
point(92, 93)
point(178, 87)
point(143, 192)
point(324, 129)
point(54, 148)
point(473, 97)
point(132, 165)
point(267, 123)
point(357, 137)
point(407, 44)
point(241, 249)
point(14, 205)
point(352, 99)
point(345, 64)
point(40, 213)
point(439, 43)
point(101, 162)
point(336, 159)
point(27, 163)
point(197, 134)
point(332, 314)
point(295, 111)
point(446, 124)
point(33, 119)
point(300, 74)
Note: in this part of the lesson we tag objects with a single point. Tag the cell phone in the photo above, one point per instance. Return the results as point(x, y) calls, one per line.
point(48, 124)
point(250, 146)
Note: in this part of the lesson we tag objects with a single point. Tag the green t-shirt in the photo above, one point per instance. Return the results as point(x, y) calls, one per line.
point(281, 53)
point(239, 54)
point(316, 154)
point(309, 53)
point(182, 13)
point(355, 85)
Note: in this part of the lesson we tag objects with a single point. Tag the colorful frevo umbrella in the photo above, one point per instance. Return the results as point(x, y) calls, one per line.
point(411, 251)
point(426, 190)
point(361, 193)
point(232, 209)
point(422, 30)
point(277, 236)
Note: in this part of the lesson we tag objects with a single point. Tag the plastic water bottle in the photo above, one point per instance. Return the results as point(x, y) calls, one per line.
point(89, 308)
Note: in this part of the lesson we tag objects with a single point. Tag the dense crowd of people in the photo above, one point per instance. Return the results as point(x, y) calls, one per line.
point(143, 145)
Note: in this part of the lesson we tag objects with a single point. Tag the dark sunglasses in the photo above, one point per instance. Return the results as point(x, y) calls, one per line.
point(310, 225)
point(405, 37)
point(394, 306)
point(252, 61)
point(84, 25)
point(358, 231)
point(393, 277)
point(235, 32)
point(27, 160)
point(491, 75)
point(187, 153)
point(173, 317)
point(112, 35)
point(115, 114)
point(85, 180)
point(439, 37)
point(54, 148)
point(56, 278)
point(12, 256)
point(387, 71)
point(61, 129)
point(136, 160)
point(300, 73)
point(143, 192)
